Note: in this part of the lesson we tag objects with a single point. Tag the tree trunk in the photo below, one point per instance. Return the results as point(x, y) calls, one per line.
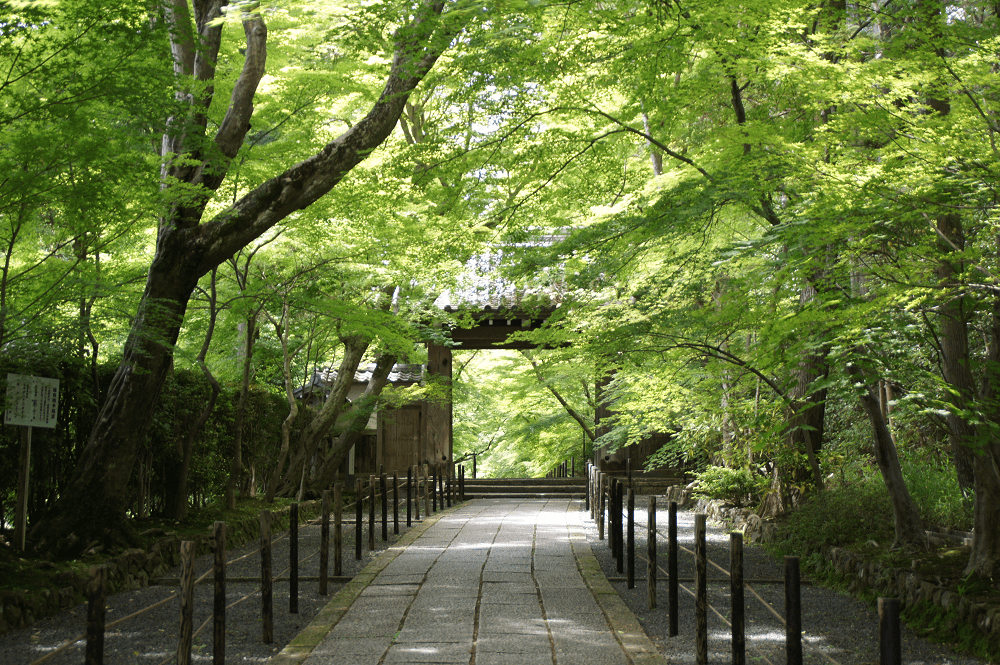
point(351, 431)
point(909, 528)
point(970, 446)
point(236, 471)
point(93, 504)
point(293, 405)
point(354, 350)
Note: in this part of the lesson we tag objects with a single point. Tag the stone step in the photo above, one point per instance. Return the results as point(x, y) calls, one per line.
point(525, 488)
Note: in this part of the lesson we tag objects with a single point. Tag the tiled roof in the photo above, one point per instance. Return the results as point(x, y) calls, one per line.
point(401, 374)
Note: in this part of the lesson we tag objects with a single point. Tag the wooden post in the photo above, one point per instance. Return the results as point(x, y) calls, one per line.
point(620, 525)
point(266, 606)
point(572, 468)
point(441, 492)
point(371, 513)
point(219, 604)
point(187, 603)
point(600, 506)
point(631, 540)
point(97, 589)
point(737, 600)
point(461, 482)
point(793, 612)
point(409, 496)
point(338, 530)
point(672, 567)
point(324, 545)
point(449, 486)
point(358, 517)
point(427, 495)
point(612, 496)
point(23, 475)
point(293, 559)
point(434, 499)
point(384, 488)
point(590, 491)
point(395, 502)
point(700, 591)
point(651, 551)
point(474, 455)
point(890, 650)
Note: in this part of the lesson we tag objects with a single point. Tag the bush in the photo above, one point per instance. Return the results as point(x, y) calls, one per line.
point(933, 484)
point(737, 487)
point(854, 511)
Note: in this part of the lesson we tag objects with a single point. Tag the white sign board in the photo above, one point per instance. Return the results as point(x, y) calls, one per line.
point(31, 401)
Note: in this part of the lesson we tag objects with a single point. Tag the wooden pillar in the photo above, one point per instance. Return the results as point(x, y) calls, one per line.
point(437, 415)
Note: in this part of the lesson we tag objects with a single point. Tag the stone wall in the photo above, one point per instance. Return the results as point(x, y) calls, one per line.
point(864, 576)
point(130, 570)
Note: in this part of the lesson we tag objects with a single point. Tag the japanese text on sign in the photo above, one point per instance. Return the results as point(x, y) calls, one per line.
point(31, 401)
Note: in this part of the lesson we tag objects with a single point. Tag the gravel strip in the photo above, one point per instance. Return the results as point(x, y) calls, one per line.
point(152, 637)
point(836, 627)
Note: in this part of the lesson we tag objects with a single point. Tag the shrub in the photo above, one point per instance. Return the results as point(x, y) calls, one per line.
point(933, 484)
point(853, 512)
point(737, 487)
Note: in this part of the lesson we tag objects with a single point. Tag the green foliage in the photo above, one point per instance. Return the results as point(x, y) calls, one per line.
point(852, 512)
point(934, 487)
point(934, 623)
point(737, 487)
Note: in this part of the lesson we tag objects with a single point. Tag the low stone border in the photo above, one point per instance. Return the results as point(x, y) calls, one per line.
point(865, 575)
point(302, 645)
point(130, 570)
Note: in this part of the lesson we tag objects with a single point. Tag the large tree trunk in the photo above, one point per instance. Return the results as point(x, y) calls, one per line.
point(93, 503)
point(970, 442)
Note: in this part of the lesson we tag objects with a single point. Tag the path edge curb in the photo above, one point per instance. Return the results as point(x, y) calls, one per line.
point(303, 644)
point(624, 624)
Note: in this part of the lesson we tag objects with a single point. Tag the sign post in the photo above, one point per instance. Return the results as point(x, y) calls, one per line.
point(32, 401)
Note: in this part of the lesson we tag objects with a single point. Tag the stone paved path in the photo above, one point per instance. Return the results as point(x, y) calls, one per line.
point(491, 582)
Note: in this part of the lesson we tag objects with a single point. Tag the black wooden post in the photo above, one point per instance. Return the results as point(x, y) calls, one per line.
point(371, 513)
point(793, 612)
point(219, 600)
point(266, 606)
point(434, 496)
point(383, 486)
point(631, 540)
point(890, 650)
point(358, 518)
point(409, 496)
point(651, 571)
point(700, 591)
point(672, 567)
point(601, 482)
point(612, 495)
point(474, 466)
point(293, 558)
point(395, 502)
point(620, 526)
point(736, 594)
point(324, 545)
point(338, 529)
point(97, 591)
point(186, 631)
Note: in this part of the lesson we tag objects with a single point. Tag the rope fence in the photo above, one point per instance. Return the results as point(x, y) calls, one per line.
point(611, 503)
point(441, 484)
